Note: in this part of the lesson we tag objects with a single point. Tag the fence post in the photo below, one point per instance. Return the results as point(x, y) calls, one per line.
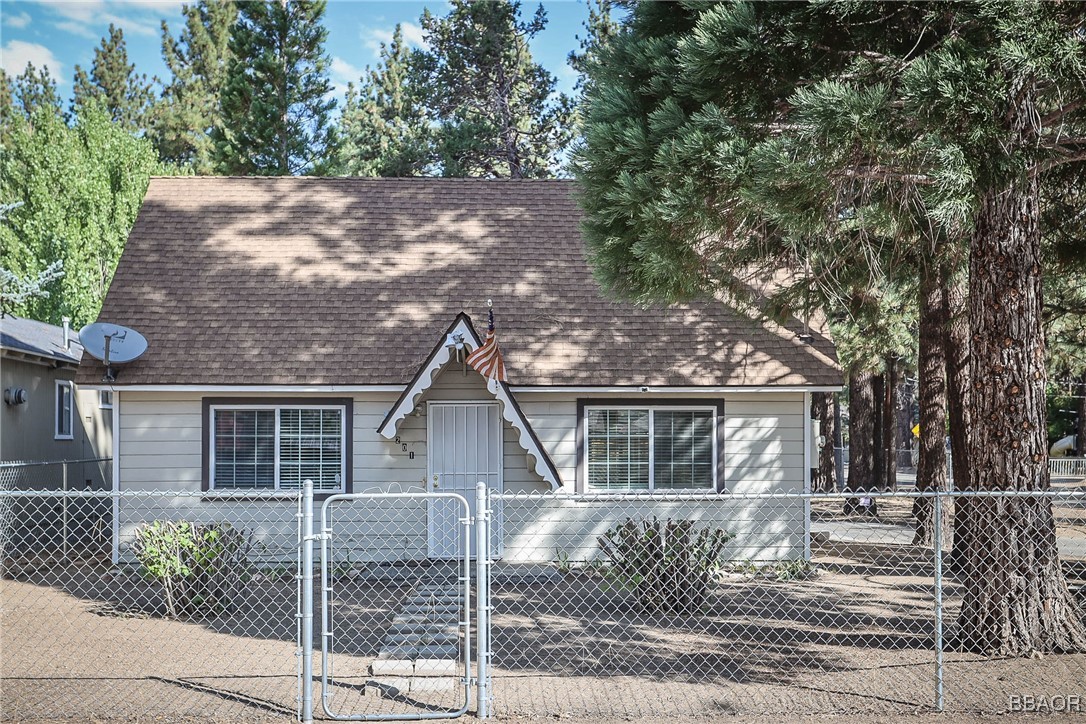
point(307, 602)
point(938, 515)
point(482, 603)
point(64, 509)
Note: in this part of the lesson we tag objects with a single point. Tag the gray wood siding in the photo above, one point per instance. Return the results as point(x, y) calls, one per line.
point(27, 430)
point(160, 436)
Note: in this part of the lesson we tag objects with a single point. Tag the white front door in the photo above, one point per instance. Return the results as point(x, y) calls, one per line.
point(464, 448)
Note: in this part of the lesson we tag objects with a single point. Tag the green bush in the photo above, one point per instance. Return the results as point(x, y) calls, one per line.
point(202, 567)
point(668, 565)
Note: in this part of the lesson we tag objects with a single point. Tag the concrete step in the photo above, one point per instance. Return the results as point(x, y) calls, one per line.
point(422, 638)
point(393, 686)
point(436, 667)
point(435, 600)
point(413, 653)
point(424, 618)
point(406, 627)
point(392, 667)
point(442, 610)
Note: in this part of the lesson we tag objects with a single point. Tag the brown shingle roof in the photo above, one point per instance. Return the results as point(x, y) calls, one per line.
point(351, 281)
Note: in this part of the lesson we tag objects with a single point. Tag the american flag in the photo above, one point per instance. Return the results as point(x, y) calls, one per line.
point(487, 360)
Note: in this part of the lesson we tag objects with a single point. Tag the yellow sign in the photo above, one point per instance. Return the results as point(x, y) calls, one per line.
point(916, 430)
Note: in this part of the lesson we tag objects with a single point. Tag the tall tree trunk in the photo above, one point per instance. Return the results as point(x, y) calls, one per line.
point(1016, 599)
point(1080, 421)
point(931, 465)
point(878, 463)
point(958, 407)
point(838, 443)
point(889, 425)
point(906, 399)
point(826, 479)
point(861, 434)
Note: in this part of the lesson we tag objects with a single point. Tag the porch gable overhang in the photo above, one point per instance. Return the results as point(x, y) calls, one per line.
point(424, 378)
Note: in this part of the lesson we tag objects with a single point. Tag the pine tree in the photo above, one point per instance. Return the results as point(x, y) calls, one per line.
point(276, 114)
point(189, 107)
point(496, 109)
point(599, 27)
point(36, 89)
point(716, 131)
point(114, 84)
point(384, 129)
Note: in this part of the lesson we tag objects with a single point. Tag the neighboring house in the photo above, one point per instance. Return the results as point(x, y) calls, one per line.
point(45, 417)
point(307, 328)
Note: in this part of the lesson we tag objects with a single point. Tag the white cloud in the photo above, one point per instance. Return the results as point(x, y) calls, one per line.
point(343, 70)
point(17, 20)
point(372, 37)
point(342, 73)
point(413, 35)
point(91, 18)
point(17, 53)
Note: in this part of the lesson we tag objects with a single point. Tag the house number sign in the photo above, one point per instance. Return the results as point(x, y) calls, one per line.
point(403, 448)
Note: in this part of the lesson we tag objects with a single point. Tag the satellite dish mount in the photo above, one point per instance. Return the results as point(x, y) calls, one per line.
point(119, 336)
point(113, 345)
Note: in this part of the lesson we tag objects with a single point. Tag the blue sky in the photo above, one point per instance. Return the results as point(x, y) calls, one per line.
point(61, 35)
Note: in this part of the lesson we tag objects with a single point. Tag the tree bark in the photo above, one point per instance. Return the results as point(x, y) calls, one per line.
point(889, 425)
point(826, 480)
point(1016, 600)
point(958, 408)
point(878, 463)
point(1080, 421)
point(931, 464)
point(861, 434)
point(838, 443)
point(906, 399)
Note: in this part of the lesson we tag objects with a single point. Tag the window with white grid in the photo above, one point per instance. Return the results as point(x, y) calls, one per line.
point(277, 447)
point(647, 449)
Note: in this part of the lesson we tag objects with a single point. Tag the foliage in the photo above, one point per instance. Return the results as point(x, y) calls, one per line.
point(189, 107)
point(599, 27)
point(16, 292)
point(496, 110)
point(202, 567)
point(563, 561)
point(79, 190)
point(669, 565)
point(385, 128)
point(114, 85)
point(865, 146)
point(276, 114)
point(35, 89)
point(793, 570)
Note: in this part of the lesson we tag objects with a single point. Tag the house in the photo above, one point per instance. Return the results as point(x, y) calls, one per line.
point(311, 328)
point(45, 417)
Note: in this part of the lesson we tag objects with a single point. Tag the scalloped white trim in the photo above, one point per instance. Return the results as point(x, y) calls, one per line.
point(509, 410)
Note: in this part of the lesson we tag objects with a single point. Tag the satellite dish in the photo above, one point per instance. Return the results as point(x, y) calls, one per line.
point(112, 344)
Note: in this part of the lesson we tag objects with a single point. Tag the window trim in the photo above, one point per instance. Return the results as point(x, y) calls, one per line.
point(346, 404)
point(102, 396)
point(642, 403)
point(70, 386)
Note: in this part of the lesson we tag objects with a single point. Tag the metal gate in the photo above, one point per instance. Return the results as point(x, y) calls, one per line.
point(397, 632)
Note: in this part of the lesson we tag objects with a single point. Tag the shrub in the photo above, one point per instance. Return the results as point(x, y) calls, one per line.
point(202, 567)
point(667, 564)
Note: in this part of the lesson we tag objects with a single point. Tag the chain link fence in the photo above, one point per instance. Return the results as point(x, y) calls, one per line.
point(623, 607)
point(609, 607)
point(61, 522)
point(186, 607)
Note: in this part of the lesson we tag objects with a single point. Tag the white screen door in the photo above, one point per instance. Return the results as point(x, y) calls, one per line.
point(464, 446)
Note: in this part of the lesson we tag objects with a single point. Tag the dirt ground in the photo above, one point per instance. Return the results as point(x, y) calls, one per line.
point(86, 643)
point(852, 637)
